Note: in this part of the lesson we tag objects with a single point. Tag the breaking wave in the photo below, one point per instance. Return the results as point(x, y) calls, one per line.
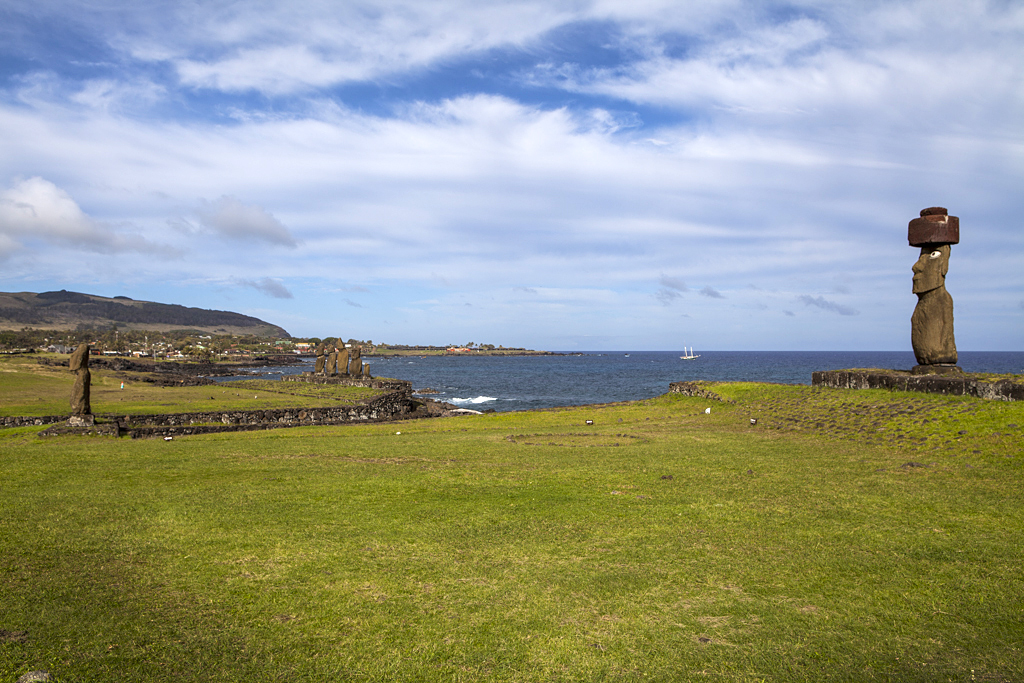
point(478, 399)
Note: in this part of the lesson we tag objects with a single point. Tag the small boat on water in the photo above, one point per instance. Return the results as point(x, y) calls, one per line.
point(689, 354)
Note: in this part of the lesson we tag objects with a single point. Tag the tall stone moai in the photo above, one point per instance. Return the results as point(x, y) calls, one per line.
point(931, 325)
point(81, 409)
point(321, 358)
point(355, 363)
point(342, 360)
point(332, 363)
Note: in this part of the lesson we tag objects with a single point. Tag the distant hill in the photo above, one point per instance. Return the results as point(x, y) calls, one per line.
point(66, 310)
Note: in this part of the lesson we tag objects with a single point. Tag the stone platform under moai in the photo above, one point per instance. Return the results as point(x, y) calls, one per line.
point(372, 382)
point(959, 384)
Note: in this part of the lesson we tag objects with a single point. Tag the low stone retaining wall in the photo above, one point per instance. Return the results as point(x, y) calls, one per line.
point(109, 428)
point(952, 385)
point(390, 406)
point(28, 421)
point(396, 405)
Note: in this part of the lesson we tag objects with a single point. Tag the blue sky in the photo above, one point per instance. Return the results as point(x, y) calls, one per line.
point(559, 175)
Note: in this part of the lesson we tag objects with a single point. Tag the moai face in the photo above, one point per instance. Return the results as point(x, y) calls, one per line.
point(931, 268)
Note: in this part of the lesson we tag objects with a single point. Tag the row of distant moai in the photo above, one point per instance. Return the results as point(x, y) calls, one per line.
point(334, 360)
point(931, 325)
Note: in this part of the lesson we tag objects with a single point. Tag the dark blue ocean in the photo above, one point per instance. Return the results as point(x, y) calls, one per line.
point(504, 383)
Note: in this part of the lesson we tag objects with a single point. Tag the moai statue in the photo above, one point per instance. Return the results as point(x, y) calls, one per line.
point(81, 410)
point(343, 361)
point(931, 325)
point(355, 363)
point(366, 371)
point(332, 364)
point(320, 359)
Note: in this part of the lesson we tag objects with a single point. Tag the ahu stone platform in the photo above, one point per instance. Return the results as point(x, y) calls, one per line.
point(345, 380)
point(966, 384)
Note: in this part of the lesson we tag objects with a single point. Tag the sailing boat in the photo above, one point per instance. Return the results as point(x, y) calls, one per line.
point(689, 355)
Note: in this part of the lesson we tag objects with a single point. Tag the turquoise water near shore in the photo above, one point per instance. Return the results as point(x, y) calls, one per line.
point(504, 383)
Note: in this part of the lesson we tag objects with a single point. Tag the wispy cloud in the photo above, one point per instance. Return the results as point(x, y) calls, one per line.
point(666, 296)
point(231, 218)
point(673, 283)
point(269, 286)
point(672, 288)
point(826, 305)
point(711, 292)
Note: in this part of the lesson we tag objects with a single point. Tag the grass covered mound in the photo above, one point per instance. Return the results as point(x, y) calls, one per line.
point(659, 543)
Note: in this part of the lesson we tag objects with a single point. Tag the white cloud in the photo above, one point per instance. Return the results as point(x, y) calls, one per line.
point(231, 218)
point(864, 69)
point(37, 209)
point(277, 49)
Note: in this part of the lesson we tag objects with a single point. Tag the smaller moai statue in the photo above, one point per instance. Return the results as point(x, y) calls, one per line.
point(81, 409)
point(931, 325)
point(342, 361)
point(320, 359)
point(366, 371)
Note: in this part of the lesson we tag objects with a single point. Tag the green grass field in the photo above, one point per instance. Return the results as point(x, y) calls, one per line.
point(28, 388)
point(848, 536)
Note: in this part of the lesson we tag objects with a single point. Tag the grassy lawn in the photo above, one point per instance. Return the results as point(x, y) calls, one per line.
point(28, 388)
point(848, 536)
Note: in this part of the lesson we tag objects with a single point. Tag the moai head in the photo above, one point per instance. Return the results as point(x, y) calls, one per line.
point(934, 232)
point(930, 269)
point(80, 358)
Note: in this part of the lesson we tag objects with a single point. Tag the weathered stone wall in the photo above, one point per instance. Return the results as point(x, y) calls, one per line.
point(381, 407)
point(698, 389)
point(952, 385)
point(396, 405)
point(28, 421)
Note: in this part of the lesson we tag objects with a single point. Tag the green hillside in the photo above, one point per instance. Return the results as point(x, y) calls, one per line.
point(73, 310)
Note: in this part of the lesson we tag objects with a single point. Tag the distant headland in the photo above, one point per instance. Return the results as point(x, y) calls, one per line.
point(64, 310)
point(470, 349)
